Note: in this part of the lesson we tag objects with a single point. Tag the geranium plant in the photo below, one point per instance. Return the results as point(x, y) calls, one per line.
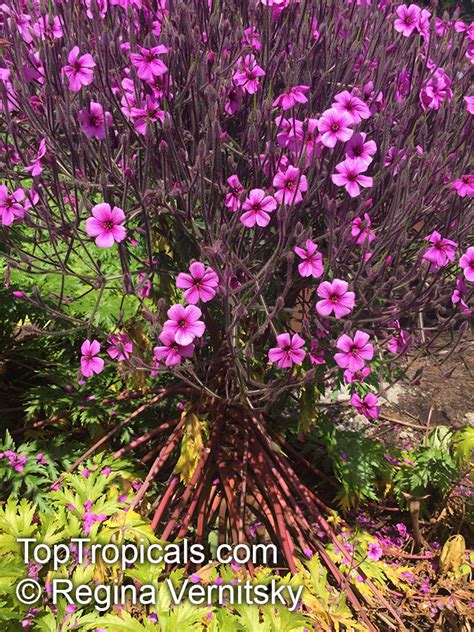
point(277, 192)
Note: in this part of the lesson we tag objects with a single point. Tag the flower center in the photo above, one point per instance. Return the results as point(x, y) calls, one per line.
point(108, 225)
point(182, 324)
point(334, 127)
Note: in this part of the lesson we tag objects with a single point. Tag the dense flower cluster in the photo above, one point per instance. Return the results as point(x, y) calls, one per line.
point(302, 175)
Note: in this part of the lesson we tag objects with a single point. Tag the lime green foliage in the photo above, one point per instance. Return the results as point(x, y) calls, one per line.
point(463, 448)
point(102, 485)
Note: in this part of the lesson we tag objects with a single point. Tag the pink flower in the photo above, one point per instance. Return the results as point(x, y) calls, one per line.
point(354, 352)
point(374, 551)
point(436, 90)
point(90, 364)
point(359, 150)
point(395, 157)
point(147, 62)
point(257, 207)
point(144, 288)
point(361, 232)
point(399, 343)
point(441, 251)
point(79, 70)
point(316, 354)
point(294, 95)
point(407, 19)
point(458, 296)
point(106, 225)
point(36, 167)
point(467, 264)
point(10, 207)
point(333, 126)
point(248, 73)
point(351, 105)
point(290, 185)
point(121, 347)
point(358, 376)
point(48, 26)
point(251, 38)
point(232, 199)
point(147, 115)
point(200, 283)
point(94, 121)
point(312, 261)
point(367, 406)
point(171, 352)
point(349, 176)
point(464, 186)
point(184, 323)
point(99, 6)
point(232, 103)
point(288, 351)
point(335, 298)
point(469, 104)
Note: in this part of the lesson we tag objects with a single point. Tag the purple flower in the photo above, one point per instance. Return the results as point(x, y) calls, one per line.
point(467, 264)
point(290, 185)
point(170, 351)
point(200, 284)
point(121, 347)
point(294, 95)
point(184, 323)
point(288, 351)
point(349, 176)
point(106, 225)
point(36, 167)
point(94, 121)
point(374, 551)
point(232, 199)
point(358, 149)
point(257, 207)
point(366, 406)
point(79, 70)
point(335, 298)
point(464, 186)
point(312, 264)
point(441, 250)
point(351, 105)
point(360, 230)
point(90, 363)
point(354, 351)
point(10, 207)
point(358, 376)
point(407, 19)
point(334, 126)
point(147, 62)
point(248, 73)
point(436, 90)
